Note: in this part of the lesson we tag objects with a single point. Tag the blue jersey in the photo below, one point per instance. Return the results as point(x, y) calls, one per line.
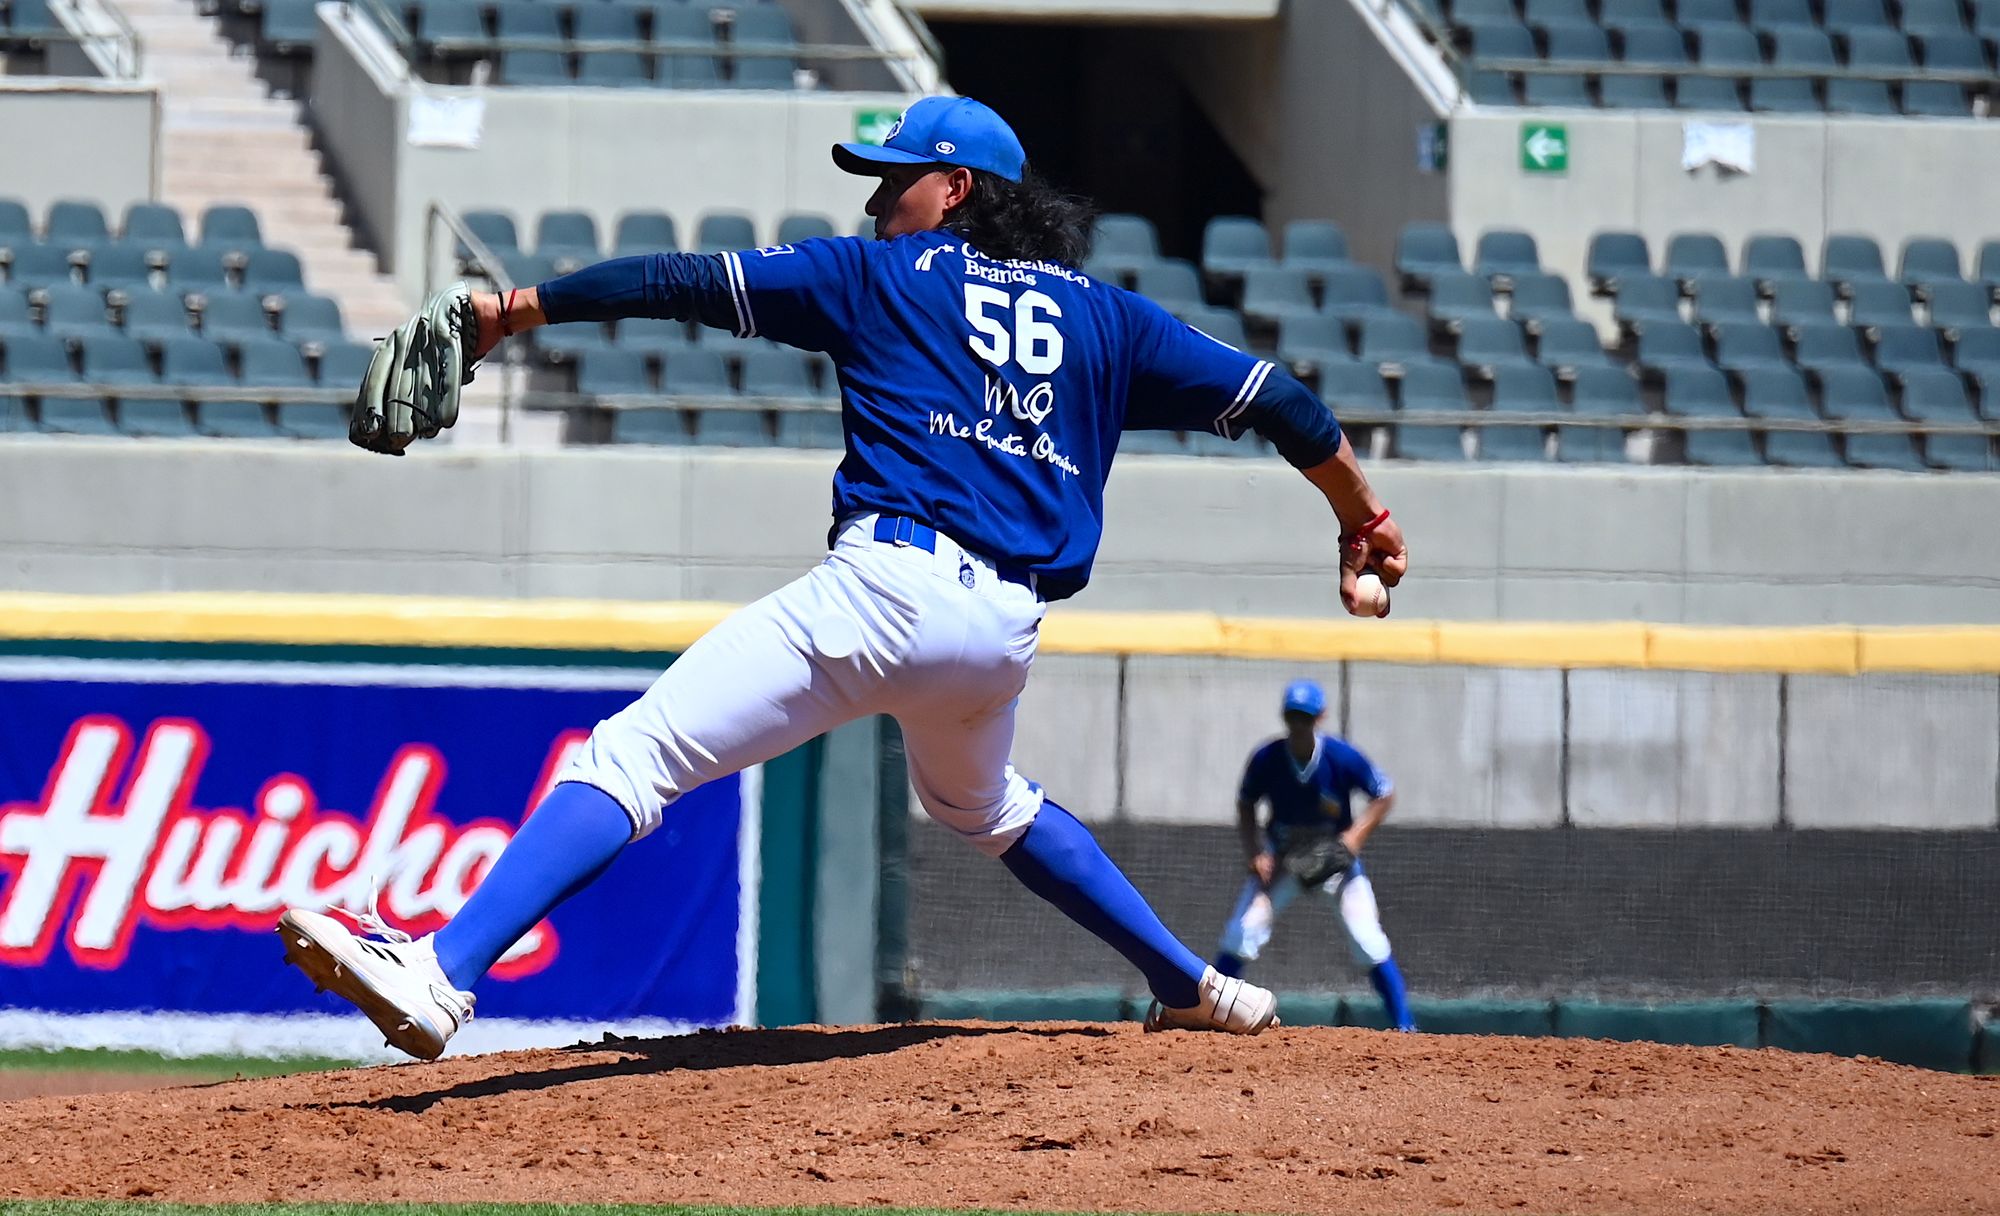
point(1298, 793)
point(985, 398)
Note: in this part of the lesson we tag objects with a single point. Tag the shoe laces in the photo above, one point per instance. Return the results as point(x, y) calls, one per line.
point(370, 920)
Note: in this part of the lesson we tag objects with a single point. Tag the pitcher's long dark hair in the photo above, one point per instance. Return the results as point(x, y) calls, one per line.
point(1028, 220)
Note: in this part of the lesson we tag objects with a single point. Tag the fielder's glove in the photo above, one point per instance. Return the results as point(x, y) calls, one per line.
point(411, 389)
point(1315, 858)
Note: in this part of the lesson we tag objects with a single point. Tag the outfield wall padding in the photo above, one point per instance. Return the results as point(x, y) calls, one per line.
point(1934, 1033)
point(1529, 1018)
point(1689, 1023)
point(1059, 1005)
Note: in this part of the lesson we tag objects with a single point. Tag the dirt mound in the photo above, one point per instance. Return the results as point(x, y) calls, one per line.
point(35, 1083)
point(1090, 1117)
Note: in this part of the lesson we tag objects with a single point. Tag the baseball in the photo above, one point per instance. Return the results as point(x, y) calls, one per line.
point(1371, 598)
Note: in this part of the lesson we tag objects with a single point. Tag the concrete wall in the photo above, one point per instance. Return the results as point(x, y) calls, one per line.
point(1890, 180)
point(356, 109)
point(45, 120)
point(1237, 536)
point(1487, 747)
point(604, 151)
point(1323, 115)
point(1156, 738)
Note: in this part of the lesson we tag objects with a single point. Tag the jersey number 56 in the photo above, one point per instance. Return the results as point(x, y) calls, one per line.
point(1033, 342)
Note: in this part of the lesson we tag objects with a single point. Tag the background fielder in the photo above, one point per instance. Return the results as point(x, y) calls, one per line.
point(1309, 779)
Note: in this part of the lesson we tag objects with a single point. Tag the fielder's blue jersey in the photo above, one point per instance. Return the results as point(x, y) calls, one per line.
point(1297, 792)
point(986, 398)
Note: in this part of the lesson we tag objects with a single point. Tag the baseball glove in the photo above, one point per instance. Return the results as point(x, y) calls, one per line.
point(1315, 857)
point(411, 389)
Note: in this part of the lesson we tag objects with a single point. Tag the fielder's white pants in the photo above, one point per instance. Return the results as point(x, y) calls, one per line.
point(875, 628)
point(1257, 910)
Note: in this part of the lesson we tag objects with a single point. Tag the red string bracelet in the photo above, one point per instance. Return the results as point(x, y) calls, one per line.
point(1372, 524)
point(1357, 540)
point(507, 327)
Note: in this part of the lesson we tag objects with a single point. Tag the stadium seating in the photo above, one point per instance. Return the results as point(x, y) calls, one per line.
point(751, 44)
point(153, 320)
point(1232, 246)
point(1850, 57)
point(1864, 341)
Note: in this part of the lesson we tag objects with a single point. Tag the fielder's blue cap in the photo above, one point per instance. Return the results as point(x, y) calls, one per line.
point(941, 131)
point(1304, 697)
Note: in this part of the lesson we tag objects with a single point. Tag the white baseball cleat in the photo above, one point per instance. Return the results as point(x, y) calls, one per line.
point(397, 983)
point(1226, 1004)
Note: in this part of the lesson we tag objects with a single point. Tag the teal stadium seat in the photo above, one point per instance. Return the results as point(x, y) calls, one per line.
point(312, 322)
point(312, 420)
point(76, 416)
point(154, 418)
point(650, 425)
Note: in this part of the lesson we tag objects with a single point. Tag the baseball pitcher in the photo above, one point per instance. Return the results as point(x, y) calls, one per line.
point(1312, 842)
point(984, 384)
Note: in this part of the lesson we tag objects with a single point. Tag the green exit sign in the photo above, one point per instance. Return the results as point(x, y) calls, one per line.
point(873, 126)
point(1544, 147)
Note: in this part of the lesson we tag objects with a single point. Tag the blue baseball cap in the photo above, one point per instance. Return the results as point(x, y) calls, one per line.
point(941, 131)
point(1304, 697)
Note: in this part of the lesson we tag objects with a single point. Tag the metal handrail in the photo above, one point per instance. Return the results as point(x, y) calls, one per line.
point(1620, 67)
point(481, 255)
point(1477, 419)
point(551, 400)
point(122, 50)
point(278, 394)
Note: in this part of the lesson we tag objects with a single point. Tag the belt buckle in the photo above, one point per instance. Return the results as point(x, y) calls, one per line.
point(902, 531)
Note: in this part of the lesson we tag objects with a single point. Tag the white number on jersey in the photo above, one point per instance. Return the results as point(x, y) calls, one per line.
point(1034, 343)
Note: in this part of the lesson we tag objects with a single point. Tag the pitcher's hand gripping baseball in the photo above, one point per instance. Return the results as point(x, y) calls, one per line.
point(1376, 547)
point(411, 389)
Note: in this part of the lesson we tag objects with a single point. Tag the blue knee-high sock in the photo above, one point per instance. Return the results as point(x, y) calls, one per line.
point(1388, 982)
point(564, 845)
point(1229, 964)
point(1058, 859)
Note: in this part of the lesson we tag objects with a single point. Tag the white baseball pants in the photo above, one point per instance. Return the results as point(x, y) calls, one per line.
point(1249, 929)
point(875, 628)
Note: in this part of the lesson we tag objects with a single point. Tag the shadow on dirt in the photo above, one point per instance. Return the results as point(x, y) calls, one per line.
point(705, 1050)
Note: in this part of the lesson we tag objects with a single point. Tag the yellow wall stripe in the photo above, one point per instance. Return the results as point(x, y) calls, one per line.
point(358, 620)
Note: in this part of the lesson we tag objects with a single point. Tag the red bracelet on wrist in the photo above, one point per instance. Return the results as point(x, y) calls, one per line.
point(1371, 525)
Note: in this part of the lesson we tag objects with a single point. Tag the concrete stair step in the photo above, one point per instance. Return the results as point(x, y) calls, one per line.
point(274, 222)
point(226, 140)
point(318, 248)
point(245, 104)
point(286, 166)
point(168, 40)
point(290, 138)
point(219, 180)
point(191, 88)
point(356, 281)
point(222, 117)
point(188, 57)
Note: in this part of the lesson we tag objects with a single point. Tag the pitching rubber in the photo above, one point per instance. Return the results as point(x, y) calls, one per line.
point(328, 973)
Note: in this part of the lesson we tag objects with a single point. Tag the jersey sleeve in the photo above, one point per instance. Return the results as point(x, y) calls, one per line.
point(807, 294)
point(1184, 380)
point(1361, 771)
point(1252, 788)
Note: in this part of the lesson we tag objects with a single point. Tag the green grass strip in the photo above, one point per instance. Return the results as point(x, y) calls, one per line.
point(210, 1067)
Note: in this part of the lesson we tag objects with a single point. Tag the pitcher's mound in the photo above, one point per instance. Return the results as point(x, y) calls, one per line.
point(1054, 1117)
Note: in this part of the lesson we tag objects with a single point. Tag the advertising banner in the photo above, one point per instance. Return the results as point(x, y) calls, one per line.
point(156, 817)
